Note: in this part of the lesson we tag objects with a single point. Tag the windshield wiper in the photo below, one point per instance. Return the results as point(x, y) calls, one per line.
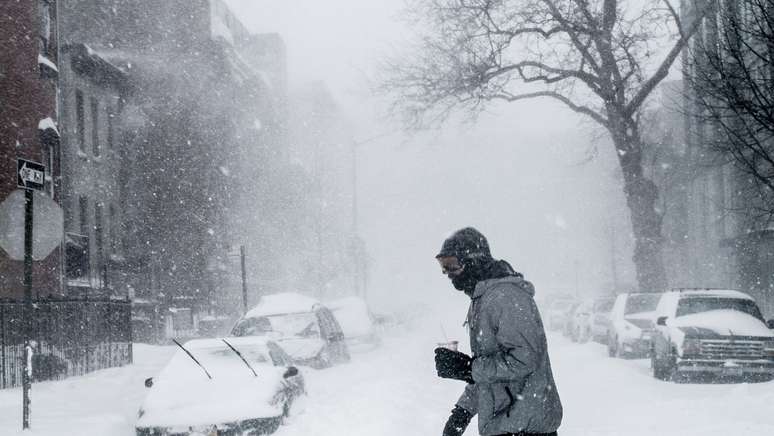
point(240, 356)
point(193, 358)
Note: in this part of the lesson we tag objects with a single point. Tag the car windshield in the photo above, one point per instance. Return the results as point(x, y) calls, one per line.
point(251, 353)
point(641, 303)
point(302, 324)
point(689, 306)
point(295, 324)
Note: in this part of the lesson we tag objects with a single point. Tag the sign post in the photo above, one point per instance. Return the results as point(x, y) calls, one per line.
point(31, 176)
point(244, 277)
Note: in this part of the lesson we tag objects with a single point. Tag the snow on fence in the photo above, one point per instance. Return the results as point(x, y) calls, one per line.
point(70, 337)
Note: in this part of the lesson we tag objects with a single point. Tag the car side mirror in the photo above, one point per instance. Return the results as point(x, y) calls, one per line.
point(770, 324)
point(661, 320)
point(149, 382)
point(291, 372)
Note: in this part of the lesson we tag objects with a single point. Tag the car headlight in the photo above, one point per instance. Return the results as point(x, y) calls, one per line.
point(691, 346)
point(203, 430)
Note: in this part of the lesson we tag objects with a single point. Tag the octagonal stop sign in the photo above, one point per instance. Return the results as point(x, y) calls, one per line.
point(47, 225)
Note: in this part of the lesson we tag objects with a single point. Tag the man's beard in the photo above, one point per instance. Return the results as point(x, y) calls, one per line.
point(464, 282)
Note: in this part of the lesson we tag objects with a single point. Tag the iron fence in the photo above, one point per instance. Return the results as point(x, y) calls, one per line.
point(70, 337)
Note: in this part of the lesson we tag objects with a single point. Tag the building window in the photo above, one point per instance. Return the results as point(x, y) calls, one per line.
point(110, 125)
point(80, 120)
point(99, 241)
point(112, 229)
point(83, 210)
point(98, 225)
point(77, 256)
point(95, 126)
point(44, 9)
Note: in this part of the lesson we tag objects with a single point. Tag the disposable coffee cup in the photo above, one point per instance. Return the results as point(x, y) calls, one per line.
point(451, 345)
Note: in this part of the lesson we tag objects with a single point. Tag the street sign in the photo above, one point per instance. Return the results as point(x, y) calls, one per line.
point(48, 225)
point(30, 175)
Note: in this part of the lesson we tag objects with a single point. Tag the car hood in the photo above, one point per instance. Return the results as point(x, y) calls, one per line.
point(200, 401)
point(721, 323)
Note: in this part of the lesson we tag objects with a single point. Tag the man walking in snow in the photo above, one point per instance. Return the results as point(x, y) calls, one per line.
point(510, 383)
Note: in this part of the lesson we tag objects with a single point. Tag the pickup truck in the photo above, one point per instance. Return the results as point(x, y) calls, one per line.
point(720, 332)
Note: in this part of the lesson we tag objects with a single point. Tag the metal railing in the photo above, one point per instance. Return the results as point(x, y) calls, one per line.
point(70, 337)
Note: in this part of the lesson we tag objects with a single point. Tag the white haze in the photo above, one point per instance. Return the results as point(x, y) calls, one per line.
point(518, 174)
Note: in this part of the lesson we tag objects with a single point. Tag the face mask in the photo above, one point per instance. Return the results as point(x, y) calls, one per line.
point(464, 282)
point(467, 279)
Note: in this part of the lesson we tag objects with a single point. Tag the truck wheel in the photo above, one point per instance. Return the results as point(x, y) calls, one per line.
point(663, 369)
point(612, 345)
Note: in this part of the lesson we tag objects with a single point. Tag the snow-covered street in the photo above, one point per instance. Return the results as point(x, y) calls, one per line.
point(393, 390)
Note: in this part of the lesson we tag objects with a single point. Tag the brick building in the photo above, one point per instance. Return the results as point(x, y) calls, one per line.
point(198, 108)
point(92, 99)
point(28, 128)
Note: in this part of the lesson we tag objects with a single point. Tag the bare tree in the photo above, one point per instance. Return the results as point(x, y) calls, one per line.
point(590, 55)
point(731, 78)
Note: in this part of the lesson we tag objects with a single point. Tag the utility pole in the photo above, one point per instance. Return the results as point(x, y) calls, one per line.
point(354, 242)
point(360, 273)
point(613, 256)
point(577, 282)
point(27, 311)
point(244, 278)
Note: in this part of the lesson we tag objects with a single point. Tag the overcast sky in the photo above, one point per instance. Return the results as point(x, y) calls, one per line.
point(515, 174)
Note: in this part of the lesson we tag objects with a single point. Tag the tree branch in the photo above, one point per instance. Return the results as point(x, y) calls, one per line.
point(585, 110)
point(666, 64)
point(676, 17)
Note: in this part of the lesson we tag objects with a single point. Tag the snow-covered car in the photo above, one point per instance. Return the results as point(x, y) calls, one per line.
point(231, 386)
point(711, 331)
point(304, 327)
point(356, 322)
point(579, 324)
point(557, 314)
point(600, 318)
point(631, 325)
point(568, 316)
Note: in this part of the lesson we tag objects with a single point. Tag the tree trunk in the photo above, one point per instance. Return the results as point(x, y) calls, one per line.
point(641, 196)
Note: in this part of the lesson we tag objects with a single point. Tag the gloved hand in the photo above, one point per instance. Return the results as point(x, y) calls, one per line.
point(457, 422)
point(453, 364)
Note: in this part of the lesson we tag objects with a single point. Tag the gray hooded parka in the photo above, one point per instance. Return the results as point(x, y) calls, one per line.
point(514, 388)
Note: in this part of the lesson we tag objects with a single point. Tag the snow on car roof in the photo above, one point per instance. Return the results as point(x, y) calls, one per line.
point(287, 302)
point(724, 293)
point(352, 314)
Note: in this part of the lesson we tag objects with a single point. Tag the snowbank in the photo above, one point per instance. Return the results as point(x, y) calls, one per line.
point(393, 390)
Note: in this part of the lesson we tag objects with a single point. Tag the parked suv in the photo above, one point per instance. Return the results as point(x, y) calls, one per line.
point(579, 324)
point(600, 319)
point(631, 325)
point(711, 331)
point(304, 327)
point(557, 314)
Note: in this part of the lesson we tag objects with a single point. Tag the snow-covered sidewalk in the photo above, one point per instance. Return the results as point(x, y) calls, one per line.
point(103, 403)
point(392, 390)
